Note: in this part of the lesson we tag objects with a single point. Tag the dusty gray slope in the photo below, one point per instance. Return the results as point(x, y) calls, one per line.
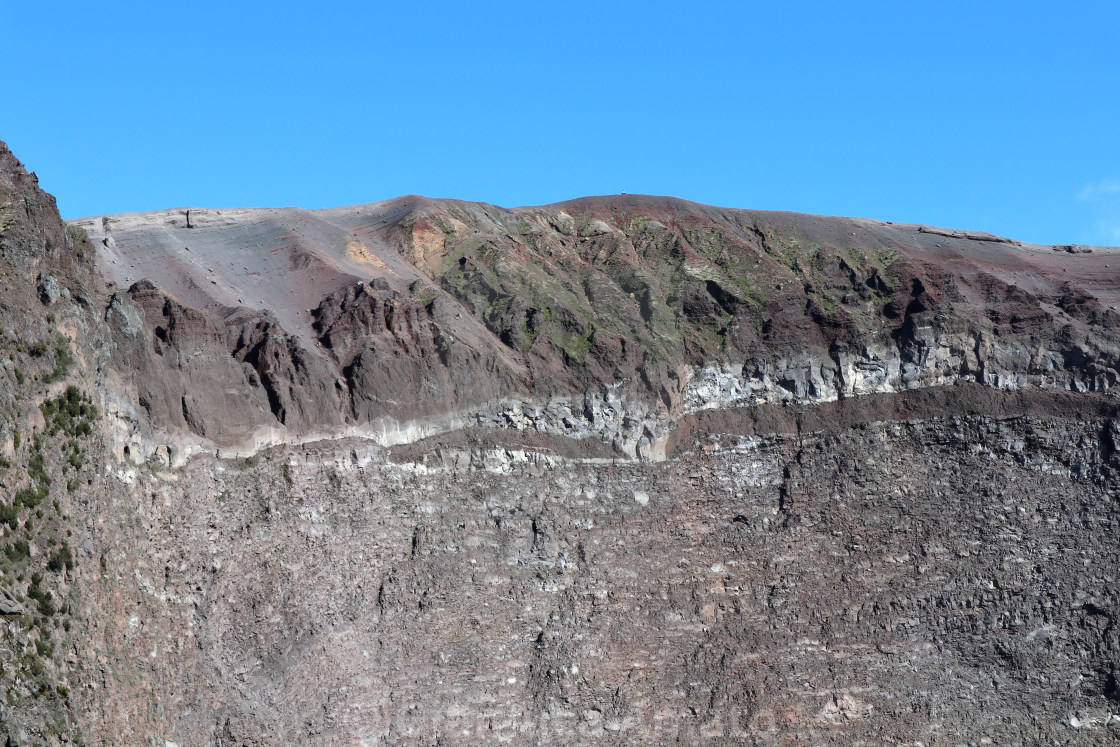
point(616, 471)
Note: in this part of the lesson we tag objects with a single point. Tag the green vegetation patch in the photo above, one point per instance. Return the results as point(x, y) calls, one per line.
point(70, 413)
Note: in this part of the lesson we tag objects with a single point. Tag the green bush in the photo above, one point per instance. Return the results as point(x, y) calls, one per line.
point(63, 359)
point(41, 482)
point(61, 558)
point(41, 596)
point(70, 413)
point(31, 497)
point(17, 550)
point(9, 514)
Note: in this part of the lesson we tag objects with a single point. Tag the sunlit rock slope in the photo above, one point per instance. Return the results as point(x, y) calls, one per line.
point(622, 470)
point(606, 318)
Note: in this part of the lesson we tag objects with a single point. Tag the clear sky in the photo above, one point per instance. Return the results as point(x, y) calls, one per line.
point(995, 116)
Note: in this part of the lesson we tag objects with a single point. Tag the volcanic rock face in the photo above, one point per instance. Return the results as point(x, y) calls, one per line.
point(621, 470)
point(412, 317)
point(943, 579)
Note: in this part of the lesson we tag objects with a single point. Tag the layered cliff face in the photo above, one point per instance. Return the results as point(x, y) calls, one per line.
point(609, 318)
point(620, 470)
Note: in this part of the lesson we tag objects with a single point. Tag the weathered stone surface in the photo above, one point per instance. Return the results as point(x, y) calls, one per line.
point(620, 470)
point(939, 579)
point(414, 316)
point(9, 606)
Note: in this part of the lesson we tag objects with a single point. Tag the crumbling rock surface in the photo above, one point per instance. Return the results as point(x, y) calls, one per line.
point(937, 580)
point(622, 470)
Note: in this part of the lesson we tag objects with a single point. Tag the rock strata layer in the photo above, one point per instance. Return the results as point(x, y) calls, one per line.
point(622, 470)
point(607, 318)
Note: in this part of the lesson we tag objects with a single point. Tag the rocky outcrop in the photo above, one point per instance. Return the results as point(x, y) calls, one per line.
point(52, 448)
point(626, 470)
point(429, 315)
point(397, 359)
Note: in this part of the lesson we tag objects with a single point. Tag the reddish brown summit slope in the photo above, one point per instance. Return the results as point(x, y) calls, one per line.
point(417, 309)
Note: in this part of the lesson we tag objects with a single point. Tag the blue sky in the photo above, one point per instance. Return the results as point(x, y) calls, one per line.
point(1002, 117)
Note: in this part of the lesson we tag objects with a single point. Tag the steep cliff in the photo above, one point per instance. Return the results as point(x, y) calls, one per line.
point(56, 488)
point(610, 318)
point(619, 470)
